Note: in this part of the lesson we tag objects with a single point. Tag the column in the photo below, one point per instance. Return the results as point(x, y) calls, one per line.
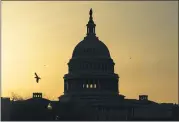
point(69, 86)
point(117, 90)
point(65, 86)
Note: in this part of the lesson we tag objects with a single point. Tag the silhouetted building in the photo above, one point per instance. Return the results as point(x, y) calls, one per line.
point(91, 68)
point(91, 87)
point(37, 95)
point(5, 109)
point(143, 97)
point(90, 92)
point(91, 80)
point(35, 108)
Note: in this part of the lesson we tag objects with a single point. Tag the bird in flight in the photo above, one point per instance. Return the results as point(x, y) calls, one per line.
point(37, 77)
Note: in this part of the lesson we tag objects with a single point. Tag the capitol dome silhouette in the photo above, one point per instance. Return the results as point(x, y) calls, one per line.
point(91, 68)
point(91, 47)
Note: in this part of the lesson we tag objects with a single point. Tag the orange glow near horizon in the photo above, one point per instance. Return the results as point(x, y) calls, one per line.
point(40, 37)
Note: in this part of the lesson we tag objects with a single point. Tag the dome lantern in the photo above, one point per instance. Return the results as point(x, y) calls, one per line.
point(91, 25)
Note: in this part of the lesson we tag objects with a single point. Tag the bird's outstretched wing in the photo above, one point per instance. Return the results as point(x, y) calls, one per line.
point(36, 74)
point(37, 80)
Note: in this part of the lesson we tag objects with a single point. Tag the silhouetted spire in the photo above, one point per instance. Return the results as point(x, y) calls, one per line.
point(91, 25)
point(91, 13)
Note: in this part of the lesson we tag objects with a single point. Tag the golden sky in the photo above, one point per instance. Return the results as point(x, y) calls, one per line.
point(35, 34)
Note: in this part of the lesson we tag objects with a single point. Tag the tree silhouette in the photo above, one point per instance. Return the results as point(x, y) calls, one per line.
point(16, 97)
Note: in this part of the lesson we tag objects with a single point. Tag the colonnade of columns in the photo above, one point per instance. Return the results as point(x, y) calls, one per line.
point(79, 85)
point(97, 67)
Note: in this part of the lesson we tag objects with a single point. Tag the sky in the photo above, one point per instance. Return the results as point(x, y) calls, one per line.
point(40, 37)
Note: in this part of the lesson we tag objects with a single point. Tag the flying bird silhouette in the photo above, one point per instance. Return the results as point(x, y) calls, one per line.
point(37, 77)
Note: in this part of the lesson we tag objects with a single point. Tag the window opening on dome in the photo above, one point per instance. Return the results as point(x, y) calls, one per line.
point(94, 85)
point(86, 85)
point(101, 67)
point(105, 68)
point(91, 86)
